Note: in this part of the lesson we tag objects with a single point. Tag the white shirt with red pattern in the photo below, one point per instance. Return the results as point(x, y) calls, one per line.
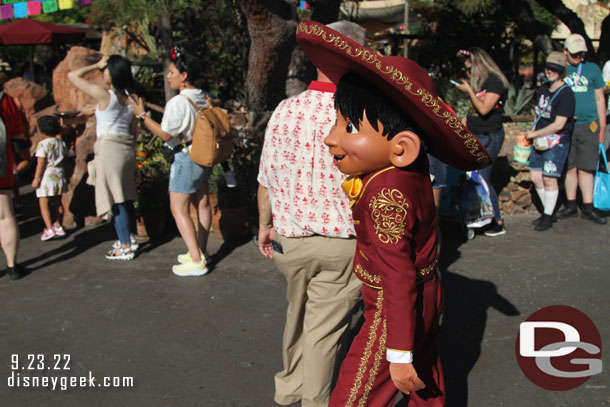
point(298, 171)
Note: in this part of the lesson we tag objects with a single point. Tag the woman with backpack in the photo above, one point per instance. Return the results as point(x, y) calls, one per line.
point(188, 181)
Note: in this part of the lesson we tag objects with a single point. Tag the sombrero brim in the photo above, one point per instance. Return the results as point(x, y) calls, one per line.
point(405, 82)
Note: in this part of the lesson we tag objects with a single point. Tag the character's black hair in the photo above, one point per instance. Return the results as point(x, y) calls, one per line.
point(48, 125)
point(120, 73)
point(355, 95)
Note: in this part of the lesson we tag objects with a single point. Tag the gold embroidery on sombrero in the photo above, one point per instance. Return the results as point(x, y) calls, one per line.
point(397, 76)
point(375, 368)
point(389, 214)
point(367, 352)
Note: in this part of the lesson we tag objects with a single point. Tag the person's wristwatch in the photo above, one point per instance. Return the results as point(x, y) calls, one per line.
point(142, 116)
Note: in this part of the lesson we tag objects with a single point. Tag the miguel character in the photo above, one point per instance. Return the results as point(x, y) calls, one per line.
point(388, 115)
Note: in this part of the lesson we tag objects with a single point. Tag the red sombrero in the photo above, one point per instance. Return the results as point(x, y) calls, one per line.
point(403, 81)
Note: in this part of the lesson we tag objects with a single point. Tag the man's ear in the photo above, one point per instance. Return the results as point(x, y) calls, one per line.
point(405, 148)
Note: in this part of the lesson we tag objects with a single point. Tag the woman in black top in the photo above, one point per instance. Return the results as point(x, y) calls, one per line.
point(487, 90)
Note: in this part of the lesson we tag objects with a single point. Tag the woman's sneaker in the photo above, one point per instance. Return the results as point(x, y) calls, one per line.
point(120, 253)
point(495, 230)
point(190, 269)
point(59, 230)
point(186, 258)
point(47, 234)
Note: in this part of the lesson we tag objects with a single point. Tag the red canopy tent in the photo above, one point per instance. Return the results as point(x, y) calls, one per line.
point(31, 32)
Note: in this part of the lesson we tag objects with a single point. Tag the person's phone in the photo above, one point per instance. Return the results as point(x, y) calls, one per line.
point(454, 82)
point(277, 247)
point(130, 96)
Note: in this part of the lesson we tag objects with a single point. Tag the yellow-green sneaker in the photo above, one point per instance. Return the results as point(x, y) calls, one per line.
point(186, 258)
point(190, 269)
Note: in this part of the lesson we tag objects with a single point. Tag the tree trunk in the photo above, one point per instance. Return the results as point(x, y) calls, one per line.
point(569, 18)
point(521, 12)
point(272, 30)
point(165, 31)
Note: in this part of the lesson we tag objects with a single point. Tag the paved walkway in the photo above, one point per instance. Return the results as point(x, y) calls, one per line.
point(215, 340)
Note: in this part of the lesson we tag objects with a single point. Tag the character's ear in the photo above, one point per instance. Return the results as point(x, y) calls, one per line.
point(405, 148)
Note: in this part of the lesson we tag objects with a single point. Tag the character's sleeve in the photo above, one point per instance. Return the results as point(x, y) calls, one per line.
point(391, 223)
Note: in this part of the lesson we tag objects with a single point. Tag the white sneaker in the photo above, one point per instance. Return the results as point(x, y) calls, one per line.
point(190, 269)
point(230, 179)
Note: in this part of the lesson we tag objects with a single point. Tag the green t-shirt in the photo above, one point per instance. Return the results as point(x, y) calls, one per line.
point(583, 85)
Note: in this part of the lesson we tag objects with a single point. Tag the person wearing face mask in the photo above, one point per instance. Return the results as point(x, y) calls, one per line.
point(188, 181)
point(586, 81)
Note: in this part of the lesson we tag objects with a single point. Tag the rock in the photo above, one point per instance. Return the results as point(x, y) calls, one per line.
point(516, 195)
point(30, 96)
point(524, 201)
point(504, 196)
point(518, 210)
point(507, 207)
point(66, 95)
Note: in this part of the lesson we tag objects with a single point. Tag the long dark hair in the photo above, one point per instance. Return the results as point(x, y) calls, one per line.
point(187, 64)
point(120, 73)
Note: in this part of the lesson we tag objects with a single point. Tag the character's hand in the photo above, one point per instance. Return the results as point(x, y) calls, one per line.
point(265, 240)
point(405, 377)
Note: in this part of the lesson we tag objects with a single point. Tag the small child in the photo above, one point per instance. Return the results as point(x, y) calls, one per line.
point(49, 179)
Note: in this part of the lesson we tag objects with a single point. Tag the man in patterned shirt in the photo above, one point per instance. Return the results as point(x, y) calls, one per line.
point(306, 216)
point(387, 114)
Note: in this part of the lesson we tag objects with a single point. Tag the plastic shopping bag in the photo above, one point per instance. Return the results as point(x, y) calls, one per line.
point(475, 204)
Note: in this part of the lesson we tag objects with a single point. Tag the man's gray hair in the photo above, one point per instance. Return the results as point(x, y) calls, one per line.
point(350, 30)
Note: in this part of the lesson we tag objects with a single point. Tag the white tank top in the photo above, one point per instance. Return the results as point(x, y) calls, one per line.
point(109, 121)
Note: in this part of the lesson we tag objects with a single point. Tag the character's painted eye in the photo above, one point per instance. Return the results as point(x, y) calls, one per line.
point(350, 128)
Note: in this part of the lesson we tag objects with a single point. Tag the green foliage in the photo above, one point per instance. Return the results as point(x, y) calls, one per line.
point(518, 99)
point(153, 173)
point(219, 39)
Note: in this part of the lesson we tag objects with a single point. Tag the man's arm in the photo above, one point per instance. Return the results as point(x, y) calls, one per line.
point(601, 112)
point(266, 234)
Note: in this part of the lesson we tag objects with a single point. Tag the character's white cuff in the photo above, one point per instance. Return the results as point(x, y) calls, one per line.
point(398, 356)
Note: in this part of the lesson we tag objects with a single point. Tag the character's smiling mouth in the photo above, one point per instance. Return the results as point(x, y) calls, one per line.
point(339, 157)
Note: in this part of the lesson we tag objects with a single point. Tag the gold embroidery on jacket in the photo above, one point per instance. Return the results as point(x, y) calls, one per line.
point(373, 373)
point(389, 213)
point(367, 352)
point(360, 271)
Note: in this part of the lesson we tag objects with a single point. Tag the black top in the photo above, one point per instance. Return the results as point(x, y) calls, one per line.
point(492, 121)
point(563, 105)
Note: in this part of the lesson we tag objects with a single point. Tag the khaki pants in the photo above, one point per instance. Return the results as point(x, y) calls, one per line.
point(322, 292)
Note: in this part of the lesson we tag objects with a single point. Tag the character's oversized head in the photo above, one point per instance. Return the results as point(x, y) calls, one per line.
point(385, 107)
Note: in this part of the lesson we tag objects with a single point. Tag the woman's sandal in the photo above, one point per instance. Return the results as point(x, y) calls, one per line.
point(120, 253)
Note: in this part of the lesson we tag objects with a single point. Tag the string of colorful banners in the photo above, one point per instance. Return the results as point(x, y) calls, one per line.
point(22, 9)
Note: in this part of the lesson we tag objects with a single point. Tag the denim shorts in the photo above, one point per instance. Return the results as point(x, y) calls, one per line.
point(185, 176)
point(552, 161)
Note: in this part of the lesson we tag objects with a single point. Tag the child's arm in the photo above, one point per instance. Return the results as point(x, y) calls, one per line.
point(40, 167)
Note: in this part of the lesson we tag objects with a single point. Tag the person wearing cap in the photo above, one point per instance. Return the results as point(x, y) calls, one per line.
point(587, 83)
point(305, 216)
point(556, 109)
point(388, 115)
